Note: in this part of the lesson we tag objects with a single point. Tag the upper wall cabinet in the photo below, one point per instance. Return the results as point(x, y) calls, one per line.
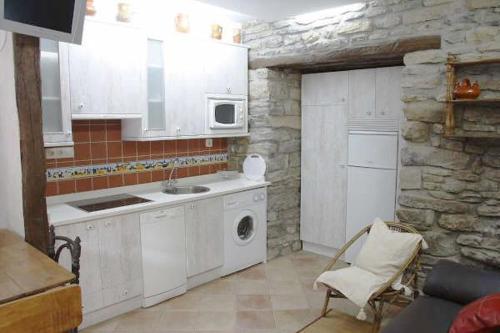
point(375, 99)
point(108, 71)
point(192, 69)
point(56, 110)
point(226, 69)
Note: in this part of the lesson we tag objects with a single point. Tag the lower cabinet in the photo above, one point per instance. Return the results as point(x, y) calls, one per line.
point(110, 263)
point(204, 235)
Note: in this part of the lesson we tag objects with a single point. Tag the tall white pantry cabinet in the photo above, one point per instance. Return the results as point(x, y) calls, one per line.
point(350, 131)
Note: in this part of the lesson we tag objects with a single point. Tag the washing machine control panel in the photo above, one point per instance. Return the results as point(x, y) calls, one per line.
point(242, 199)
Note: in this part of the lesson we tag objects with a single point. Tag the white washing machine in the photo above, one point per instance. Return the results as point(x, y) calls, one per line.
point(245, 230)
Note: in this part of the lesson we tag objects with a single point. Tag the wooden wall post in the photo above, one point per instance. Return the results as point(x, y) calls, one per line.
point(29, 106)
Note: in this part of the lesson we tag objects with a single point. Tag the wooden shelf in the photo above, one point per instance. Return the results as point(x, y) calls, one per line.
point(455, 63)
point(450, 129)
point(475, 101)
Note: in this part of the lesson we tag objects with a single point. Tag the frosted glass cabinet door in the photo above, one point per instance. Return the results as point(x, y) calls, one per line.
point(156, 89)
point(55, 93)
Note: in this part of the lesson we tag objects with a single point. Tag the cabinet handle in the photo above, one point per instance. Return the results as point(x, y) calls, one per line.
point(81, 106)
point(161, 216)
point(90, 227)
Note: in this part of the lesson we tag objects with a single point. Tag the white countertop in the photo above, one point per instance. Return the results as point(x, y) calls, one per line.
point(60, 213)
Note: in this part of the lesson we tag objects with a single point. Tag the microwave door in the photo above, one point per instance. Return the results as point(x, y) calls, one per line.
point(225, 115)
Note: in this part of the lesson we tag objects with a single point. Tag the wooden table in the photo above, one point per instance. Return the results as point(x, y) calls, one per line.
point(33, 286)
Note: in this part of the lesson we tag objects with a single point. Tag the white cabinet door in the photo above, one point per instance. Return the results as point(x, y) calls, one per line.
point(184, 87)
point(373, 150)
point(90, 269)
point(204, 235)
point(324, 88)
point(371, 193)
point(108, 71)
point(120, 258)
point(226, 68)
point(388, 93)
point(324, 174)
point(56, 109)
point(163, 238)
point(362, 94)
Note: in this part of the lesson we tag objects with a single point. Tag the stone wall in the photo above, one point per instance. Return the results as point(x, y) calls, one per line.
point(449, 188)
point(274, 112)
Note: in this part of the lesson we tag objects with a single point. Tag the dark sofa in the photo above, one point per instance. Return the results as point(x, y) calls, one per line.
point(448, 288)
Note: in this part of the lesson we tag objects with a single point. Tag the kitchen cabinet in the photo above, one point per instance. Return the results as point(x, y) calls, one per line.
point(354, 181)
point(226, 68)
point(110, 263)
point(325, 88)
point(185, 84)
point(204, 235)
point(324, 185)
point(375, 99)
point(108, 71)
point(192, 68)
point(56, 109)
point(388, 104)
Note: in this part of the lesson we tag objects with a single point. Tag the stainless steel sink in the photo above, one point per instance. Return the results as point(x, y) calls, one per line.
point(185, 189)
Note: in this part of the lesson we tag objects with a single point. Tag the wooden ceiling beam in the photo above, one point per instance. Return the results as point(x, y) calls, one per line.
point(389, 53)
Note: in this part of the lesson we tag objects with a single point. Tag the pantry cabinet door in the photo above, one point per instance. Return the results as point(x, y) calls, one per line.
point(120, 258)
point(388, 93)
point(226, 69)
point(362, 94)
point(324, 88)
point(204, 235)
point(108, 71)
point(90, 269)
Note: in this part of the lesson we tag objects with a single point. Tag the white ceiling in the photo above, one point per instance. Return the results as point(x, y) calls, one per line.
point(270, 10)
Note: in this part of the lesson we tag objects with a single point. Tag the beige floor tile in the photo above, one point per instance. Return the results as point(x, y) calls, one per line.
point(178, 320)
point(285, 287)
point(250, 287)
point(222, 286)
point(255, 320)
point(253, 302)
point(293, 319)
point(216, 303)
point(216, 320)
point(289, 302)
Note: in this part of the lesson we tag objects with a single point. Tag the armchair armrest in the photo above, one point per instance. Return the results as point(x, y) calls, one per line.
point(459, 283)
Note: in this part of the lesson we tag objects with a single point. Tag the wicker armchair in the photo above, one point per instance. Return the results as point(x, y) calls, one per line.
point(385, 294)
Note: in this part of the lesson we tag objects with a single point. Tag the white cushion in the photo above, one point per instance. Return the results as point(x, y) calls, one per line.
point(386, 251)
point(355, 283)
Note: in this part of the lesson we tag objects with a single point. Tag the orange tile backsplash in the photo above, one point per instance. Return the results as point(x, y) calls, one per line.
point(99, 143)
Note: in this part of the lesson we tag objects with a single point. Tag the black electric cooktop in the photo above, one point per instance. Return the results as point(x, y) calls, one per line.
point(115, 201)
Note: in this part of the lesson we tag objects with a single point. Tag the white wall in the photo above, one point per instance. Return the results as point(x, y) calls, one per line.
point(11, 209)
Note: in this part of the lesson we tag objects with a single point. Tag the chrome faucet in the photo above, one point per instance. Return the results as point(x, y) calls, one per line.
point(171, 182)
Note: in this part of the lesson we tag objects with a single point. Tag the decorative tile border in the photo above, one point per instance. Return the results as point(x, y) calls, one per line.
point(109, 169)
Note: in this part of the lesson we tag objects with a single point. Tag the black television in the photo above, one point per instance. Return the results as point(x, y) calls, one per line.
point(60, 20)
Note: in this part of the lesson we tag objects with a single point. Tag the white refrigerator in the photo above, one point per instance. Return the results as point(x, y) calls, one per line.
point(372, 182)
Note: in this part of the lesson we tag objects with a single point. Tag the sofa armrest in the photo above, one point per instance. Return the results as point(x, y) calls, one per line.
point(459, 283)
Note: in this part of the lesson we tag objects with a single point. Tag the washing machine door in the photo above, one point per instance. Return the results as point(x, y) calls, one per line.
point(245, 227)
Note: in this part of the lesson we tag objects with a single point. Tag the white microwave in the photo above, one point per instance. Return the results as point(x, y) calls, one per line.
point(226, 113)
